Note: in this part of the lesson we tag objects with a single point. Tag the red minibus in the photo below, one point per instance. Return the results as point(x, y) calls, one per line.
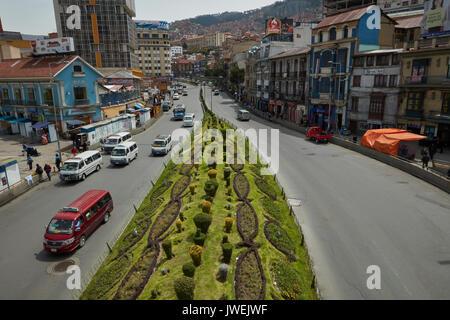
point(71, 226)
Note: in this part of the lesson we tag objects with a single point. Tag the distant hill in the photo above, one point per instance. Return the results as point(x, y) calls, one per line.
point(252, 20)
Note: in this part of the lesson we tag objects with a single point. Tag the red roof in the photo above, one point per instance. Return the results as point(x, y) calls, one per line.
point(410, 22)
point(184, 61)
point(290, 53)
point(343, 17)
point(37, 67)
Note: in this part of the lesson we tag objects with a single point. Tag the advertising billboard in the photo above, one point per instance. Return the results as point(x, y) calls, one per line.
point(152, 25)
point(273, 26)
point(52, 46)
point(287, 26)
point(436, 18)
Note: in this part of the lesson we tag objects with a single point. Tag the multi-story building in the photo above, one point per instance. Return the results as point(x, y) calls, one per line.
point(33, 88)
point(389, 6)
point(183, 68)
point(250, 77)
point(215, 40)
point(337, 6)
point(335, 41)
point(425, 82)
point(289, 85)
point(374, 94)
point(176, 51)
point(153, 50)
point(107, 36)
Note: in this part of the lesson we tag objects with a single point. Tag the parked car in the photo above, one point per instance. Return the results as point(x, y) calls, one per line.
point(79, 167)
point(114, 140)
point(162, 145)
point(124, 153)
point(72, 225)
point(317, 135)
point(243, 115)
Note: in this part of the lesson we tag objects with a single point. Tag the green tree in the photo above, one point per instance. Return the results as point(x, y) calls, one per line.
point(237, 75)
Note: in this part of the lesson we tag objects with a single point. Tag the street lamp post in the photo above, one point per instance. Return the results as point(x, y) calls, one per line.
point(338, 83)
point(54, 108)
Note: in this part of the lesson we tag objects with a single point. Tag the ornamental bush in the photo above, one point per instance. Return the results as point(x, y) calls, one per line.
point(227, 172)
point(189, 269)
point(229, 190)
point(225, 239)
point(202, 222)
point(228, 224)
point(211, 187)
point(223, 272)
point(227, 250)
point(196, 254)
point(199, 238)
point(192, 188)
point(184, 288)
point(212, 174)
point(206, 206)
point(167, 246)
point(179, 225)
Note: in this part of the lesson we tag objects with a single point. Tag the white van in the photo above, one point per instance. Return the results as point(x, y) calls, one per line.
point(79, 167)
point(115, 140)
point(243, 115)
point(162, 145)
point(124, 153)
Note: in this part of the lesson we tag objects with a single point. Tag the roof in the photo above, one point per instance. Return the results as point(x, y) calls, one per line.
point(84, 202)
point(373, 52)
point(409, 22)
point(184, 61)
point(290, 53)
point(122, 75)
point(36, 67)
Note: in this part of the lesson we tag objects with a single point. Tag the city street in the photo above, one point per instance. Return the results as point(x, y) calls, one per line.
point(23, 263)
point(357, 212)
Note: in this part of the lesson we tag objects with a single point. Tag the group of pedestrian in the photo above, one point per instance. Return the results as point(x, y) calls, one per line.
point(77, 146)
point(428, 155)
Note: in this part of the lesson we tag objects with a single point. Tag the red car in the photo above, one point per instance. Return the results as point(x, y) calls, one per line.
point(71, 226)
point(317, 135)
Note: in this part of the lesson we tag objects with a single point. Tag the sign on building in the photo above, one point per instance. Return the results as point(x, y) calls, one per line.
point(273, 26)
point(53, 46)
point(436, 18)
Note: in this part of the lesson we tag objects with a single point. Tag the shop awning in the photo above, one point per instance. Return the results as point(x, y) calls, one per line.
point(19, 121)
point(74, 122)
point(40, 125)
point(6, 118)
point(113, 88)
point(138, 106)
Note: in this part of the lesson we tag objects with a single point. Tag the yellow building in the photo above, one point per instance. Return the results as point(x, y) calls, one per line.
point(425, 101)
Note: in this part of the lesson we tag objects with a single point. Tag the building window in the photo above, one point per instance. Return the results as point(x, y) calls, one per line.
point(332, 33)
point(5, 94)
point(395, 60)
point(77, 68)
point(79, 93)
point(320, 36)
point(383, 60)
point(345, 32)
point(380, 81)
point(357, 81)
point(415, 101)
point(370, 61)
point(48, 97)
point(446, 103)
point(393, 81)
point(359, 61)
point(355, 103)
point(31, 96)
point(325, 85)
point(17, 94)
point(376, 108)
point(448, 71)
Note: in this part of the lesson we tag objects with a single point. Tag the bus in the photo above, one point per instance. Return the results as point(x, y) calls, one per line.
point(179, 112)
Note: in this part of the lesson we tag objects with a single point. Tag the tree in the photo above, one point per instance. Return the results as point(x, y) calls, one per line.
point(237, 75)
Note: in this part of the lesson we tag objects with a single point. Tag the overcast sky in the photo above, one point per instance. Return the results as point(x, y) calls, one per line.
point(37, 16)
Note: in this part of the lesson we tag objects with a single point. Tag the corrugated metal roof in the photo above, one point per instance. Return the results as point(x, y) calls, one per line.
point(343, 17)
point(290, 53)
point(409, 22)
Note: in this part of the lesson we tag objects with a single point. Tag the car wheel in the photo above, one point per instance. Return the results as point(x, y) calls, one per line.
point(98, 168)
point(83, 177)
point(106, 218)
point(82, 241)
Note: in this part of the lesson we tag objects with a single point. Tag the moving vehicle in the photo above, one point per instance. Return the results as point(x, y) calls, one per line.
point(317, 135)
point(243, 115)
point(124, 153)
point(114, 140)
point(162, 145)
point(72, 225)
point(179, 112)
point(216, 92)
point(185, 93)
point(166, 106)
point(188, 120)
point(79, 167)
point(176, 96)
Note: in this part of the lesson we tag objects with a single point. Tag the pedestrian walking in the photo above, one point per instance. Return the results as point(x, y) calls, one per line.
point(30, 162)
point(58, 162)
point(74, 151)
point(48, 171)
point(85, 146)
point(425, 159)
point(432, 152)
point(78, 144)
point(39, 171)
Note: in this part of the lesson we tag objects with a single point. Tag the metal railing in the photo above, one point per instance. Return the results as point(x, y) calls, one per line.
point(427, 80)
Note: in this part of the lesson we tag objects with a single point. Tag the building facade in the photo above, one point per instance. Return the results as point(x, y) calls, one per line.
point(153, 48)
point(374, 95)
point(215, 40)
point(33, 88)
point(337, 6)
point(107, 36)
point(389, 6)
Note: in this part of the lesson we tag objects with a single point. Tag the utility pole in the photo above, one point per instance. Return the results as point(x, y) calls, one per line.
point(54, 108)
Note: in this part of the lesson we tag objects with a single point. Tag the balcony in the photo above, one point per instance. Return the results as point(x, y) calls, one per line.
point(413, 114)
point(438, 116)
point(8, 102)
point(81, 102)
point(427, 81)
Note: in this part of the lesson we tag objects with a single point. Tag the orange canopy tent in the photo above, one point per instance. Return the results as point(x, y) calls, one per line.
point(389, 143)
point(371, 136)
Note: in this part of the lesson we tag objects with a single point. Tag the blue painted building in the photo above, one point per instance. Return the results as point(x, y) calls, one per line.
point(34, 88)
point(334, 42)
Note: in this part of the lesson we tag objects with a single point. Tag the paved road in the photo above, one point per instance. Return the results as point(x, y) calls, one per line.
point(357, 212)
point(23, 263)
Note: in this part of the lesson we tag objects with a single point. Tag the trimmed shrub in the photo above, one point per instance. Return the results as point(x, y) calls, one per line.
point(211, 187)
point(202, 222)
point(196, 254)
point(227, 250)
point(227, 172)
point(212, 174)
point(184, 288)
point(229, 190)
point(192, 188)
point(199, 238)
point(223, 272)
point(179, 225)
point(167, 246)
point(206, 206)
point(189, 269)
point(228, 224)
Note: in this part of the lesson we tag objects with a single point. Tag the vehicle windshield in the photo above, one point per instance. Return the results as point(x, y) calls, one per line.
point(112, 141)
point(159, 143)
point(70, 166)
point(118, 152)
point(188, 118)
point(60, 226)
point(179, 110)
